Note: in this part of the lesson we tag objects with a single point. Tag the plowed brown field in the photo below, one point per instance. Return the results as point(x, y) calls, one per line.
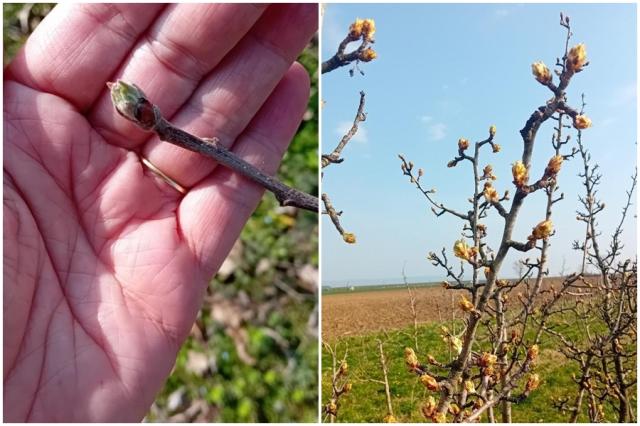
point(359, 313)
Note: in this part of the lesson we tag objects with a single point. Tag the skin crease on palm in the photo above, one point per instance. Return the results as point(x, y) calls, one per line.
point(105, 265)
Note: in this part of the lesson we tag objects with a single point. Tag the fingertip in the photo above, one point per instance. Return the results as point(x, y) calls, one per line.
point(287, 28)
point(214, 212)
point(298, 73)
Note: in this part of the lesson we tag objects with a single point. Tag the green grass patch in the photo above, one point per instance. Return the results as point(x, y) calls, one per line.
point(367, 403)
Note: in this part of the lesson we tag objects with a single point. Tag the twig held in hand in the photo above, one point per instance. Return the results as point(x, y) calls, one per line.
point(132, 104)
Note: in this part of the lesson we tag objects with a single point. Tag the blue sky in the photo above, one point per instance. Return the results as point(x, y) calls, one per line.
point(446, 71)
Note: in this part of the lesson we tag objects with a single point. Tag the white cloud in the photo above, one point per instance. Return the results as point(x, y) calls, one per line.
point(435, 130)
point(501, 13)
point(361, 135)
point(606, 122)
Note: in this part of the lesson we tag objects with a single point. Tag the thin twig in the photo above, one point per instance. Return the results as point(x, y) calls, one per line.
point(341, 59)
point(334, 157)
point(383, 364)
point(331, 211)
point(131, 103)
point(412, 305)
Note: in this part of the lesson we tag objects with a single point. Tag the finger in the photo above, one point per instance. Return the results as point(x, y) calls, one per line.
point(212, 214)
point(226, 102)
point(78, 46)
point(185, 43)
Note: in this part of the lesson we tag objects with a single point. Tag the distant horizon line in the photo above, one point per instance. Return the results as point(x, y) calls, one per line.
point(382, 281)
point(411, 280)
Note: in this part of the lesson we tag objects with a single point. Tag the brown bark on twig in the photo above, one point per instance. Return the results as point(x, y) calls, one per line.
point(333, 214)
point(383, 365)
point(147, 116)
point(363, 31)
point(339, 384)
point(334, 156)
point(414, 313)
point(341, 59)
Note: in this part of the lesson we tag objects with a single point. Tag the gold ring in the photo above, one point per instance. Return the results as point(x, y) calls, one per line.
point(181, 189)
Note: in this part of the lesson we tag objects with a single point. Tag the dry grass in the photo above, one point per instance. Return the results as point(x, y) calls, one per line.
point(365, 312)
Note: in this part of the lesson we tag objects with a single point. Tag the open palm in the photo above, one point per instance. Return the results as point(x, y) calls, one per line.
point(105, 264)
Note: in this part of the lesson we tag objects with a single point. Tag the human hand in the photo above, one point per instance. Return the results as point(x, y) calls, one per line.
point(105, 264)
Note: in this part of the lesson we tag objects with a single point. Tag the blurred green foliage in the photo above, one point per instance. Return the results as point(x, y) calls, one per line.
point(18, 21)
point(277, 244)
point(283, 384)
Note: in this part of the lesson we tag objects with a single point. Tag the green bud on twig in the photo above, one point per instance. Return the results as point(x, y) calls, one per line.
point(130, 102)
